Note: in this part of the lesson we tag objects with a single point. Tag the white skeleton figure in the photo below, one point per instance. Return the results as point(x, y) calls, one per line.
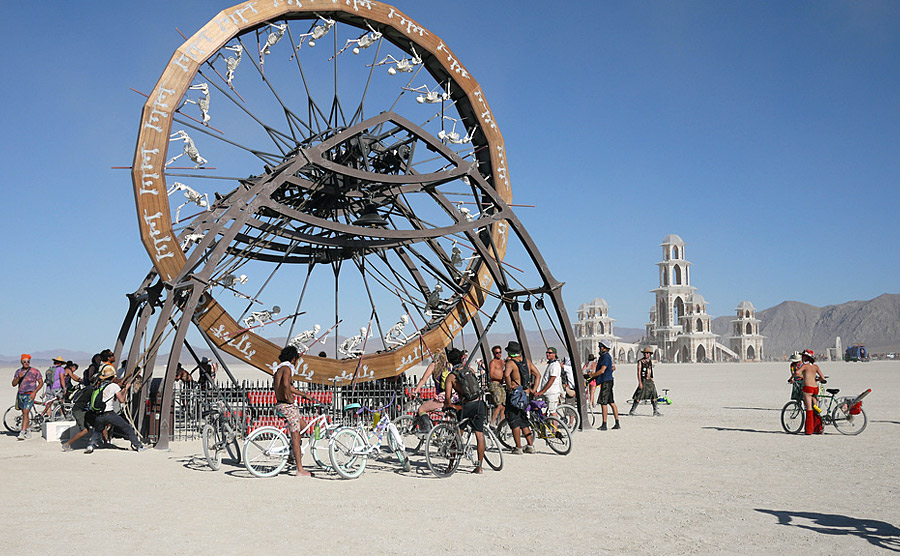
point(271, 40)
point(202, 102)
point(190, 239)
point(300, 340)
point(395, 336)
point(231, 63)
point(467, 214)
point(364, 41)
point(230, 280)
point(317, 32)
point(433, 301)
point(429, 96)
point(189, 149)
point(192, 196)
point(352, 346)
point(452, 136)
point(261, 318)
point(403, 65)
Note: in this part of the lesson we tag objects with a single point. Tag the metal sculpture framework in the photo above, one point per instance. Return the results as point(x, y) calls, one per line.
point(327, 185)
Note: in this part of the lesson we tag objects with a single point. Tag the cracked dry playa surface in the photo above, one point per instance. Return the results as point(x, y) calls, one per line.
point(714, 475)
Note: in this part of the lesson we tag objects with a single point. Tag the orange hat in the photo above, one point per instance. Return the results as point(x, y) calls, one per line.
point(24, 357)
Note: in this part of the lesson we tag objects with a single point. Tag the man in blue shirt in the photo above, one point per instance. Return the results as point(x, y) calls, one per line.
point(603, 377)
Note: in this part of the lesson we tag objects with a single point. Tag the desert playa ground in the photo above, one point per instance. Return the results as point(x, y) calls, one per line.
point(714, 475)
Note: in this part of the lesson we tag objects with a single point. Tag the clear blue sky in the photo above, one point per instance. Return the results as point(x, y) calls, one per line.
point(766, 134)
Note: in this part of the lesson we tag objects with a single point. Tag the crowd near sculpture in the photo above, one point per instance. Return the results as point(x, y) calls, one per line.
point(189, 149)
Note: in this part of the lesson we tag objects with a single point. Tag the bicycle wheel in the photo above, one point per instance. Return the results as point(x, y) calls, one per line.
point(792, 417)
point(504, 435)
point(443, 450)
point(493, 453)
point(399, 449)
point(211, 447)
point(557, 435)
point(568, 414)
point(318, 447)
point(229, 438)
point(36, 422)
point(413, 437)
point(847, 423)
point(12, 419)
point(346, 452)
point(266, 452)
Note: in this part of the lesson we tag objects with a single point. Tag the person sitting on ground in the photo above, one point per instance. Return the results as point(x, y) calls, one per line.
point(517, 372)
point(551, 383)
point(472, 407)
point(646, 388)
point(438, 370)
point(113, 395)
point(284, 401)
point(495, 368)
point(603, 375)
point(811, 375)
point(29, 381)
point(796, 378)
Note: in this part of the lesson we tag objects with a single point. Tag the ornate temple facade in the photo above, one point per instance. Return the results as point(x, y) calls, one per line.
point(746, 340)
point(679, 325)
point(594, 324)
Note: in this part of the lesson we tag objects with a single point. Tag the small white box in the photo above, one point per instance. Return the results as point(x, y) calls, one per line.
point(53, 431)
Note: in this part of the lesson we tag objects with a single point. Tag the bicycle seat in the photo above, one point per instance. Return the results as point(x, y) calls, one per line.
point(832, 390)
point(351, 406)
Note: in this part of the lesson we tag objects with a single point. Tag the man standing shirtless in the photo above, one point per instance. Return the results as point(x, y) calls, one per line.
point(284, 401)
point(811, 375)
point(518, 372)
point(497, 391)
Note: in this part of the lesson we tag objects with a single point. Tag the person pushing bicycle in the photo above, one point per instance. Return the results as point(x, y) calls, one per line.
point(811, 375)
point(473, 407)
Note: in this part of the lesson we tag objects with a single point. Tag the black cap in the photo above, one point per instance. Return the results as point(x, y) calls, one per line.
point(513, 347)
point(454, 356)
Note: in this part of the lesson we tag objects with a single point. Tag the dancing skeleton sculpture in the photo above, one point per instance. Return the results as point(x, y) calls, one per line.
point(317, 32)
point(271, 40)
point(352, 346)
point(202, 102)
point(452, 136)
point(301, 340)
point(403, 65)
point(364, 41)
point(395, 335)
point(261, 318)
point(426, 95)
point(192, 196)
point(232, 62)
point(189, 149)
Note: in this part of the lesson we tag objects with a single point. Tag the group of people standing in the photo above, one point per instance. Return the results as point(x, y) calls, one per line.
point(598, 373)
point(96, 397)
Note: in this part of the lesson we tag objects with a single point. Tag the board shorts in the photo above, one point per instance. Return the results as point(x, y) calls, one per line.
point(515, 417)
point(291, 414)
point(498, 392)
point(606, 393)
point(476, 412)
point(24, 401)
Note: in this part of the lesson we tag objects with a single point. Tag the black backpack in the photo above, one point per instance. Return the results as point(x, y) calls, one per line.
point(82, 398)
point(467, 383)
point(525, 378)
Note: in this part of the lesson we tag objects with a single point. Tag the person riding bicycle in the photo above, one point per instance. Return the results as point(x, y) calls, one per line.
point(811, 375)
point(473, 407)
point(284, 401)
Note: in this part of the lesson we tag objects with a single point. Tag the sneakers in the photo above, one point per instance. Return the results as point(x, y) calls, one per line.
point(66, 448)
point(517, 452)
point(616, 426)
point(140, 449)
point(602, 427)
point(529, 449)
point(631, 413)
point(89, 449)
point(22, 435)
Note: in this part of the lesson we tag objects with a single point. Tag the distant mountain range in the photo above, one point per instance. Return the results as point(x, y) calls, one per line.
point(793, 326)
point(788, 327)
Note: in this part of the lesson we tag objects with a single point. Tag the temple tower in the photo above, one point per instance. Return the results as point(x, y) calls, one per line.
point(746, 340)
point(593, 325)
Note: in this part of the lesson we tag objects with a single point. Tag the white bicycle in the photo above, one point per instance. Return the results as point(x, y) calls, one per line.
point(268, 449)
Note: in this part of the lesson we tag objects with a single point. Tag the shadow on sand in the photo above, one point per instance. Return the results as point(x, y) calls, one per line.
point(878, 533)
point(754, 408)
point(734, 429)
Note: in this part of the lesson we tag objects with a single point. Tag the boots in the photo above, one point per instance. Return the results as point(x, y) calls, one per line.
point(656, 412)
point(810, 423)
point(633, 408)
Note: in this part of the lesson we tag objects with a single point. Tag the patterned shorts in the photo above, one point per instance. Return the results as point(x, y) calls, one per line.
point(24, 401)
point(291, 414)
